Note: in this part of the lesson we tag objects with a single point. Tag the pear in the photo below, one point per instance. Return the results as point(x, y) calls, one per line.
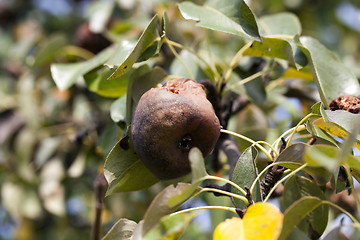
point(168, 122)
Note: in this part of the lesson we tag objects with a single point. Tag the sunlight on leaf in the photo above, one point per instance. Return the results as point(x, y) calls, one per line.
point(271, 47)
point(286, 24)
point(234, 17)
point(100, 13)
point(321, 155)
point(66, 74)
point(122, 170)
point(97, 82)
point(331, 76)
point(118, 109)
point(197, 163)
point(122, 229)
point(340, 124)
point(125, 58)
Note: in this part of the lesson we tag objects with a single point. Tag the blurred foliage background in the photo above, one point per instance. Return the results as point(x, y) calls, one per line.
point(54, 143)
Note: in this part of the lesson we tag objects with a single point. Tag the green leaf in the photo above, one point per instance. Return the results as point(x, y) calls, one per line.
point(321, 156)
point(123, 50)
point(48, 50)
point(100, 13)
point(346, 120)
point(197, 163)
point(317, 108)
point(164, 25)
point(232, 16)
point(109, 135)
point(330, 157)
point(296, 213)
point(123, 229)
point(319, 133)
point(350, 141)
point(271, 47)
point(340, 124)
point(143, 82)
point(125, 58)
point(178, 69)
point(66, 74)
point(130, 102)
point(96, 81)
point(140, 81)
point(254, 89)
point(281, 29)
point(356, 174)
point(293, 158)
point(286, 24)
point(172, 197)
point(244, 174)
point(297, 234)
point(118, 109)
point(170, 227)
point(166, 202)
point(331, 76)
point(123, 169)
point(298, 187)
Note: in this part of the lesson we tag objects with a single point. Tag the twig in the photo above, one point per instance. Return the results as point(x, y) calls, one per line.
point(273, 175)
point(100, 186)
point(232, 152)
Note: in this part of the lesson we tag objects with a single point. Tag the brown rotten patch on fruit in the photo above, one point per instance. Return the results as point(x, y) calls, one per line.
point(168, 122)
point(350, 104)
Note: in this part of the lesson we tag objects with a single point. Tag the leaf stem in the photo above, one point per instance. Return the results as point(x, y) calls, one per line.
point(259, 176)
point(295, 130)
point(353, 219)
point(354, 225)
point(178, 45)
point(212, 64)
point(209, 177)
point(204, 208)
point(249, 140)
point(179, 58)
point(235, 60)
point(79, 52)
point(244, 81)
point(268, 144)
point(244, 199)
point(283, 179)
point(350, 179)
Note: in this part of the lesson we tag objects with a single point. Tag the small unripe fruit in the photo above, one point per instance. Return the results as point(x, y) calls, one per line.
point(168, 122)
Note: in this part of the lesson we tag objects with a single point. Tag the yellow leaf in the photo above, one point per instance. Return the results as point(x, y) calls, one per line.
point(333, 129)
point(261, 221)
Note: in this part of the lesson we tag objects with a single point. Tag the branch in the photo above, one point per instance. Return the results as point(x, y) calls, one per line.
point(100, 187)
point(275, 173)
